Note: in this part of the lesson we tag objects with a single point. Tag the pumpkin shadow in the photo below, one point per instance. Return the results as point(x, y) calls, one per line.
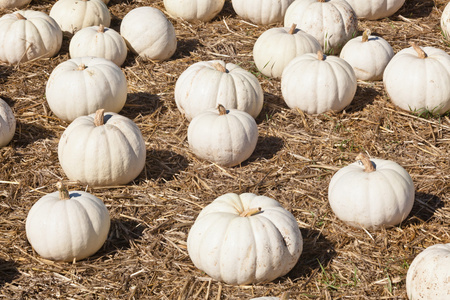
point(365, 95)
point(163, 165)
point(5, 71)
point(266, 148)
point(27, 134)
point(424, 208)
point(122, 233)
point(185, 47)
point(8, 271)
point(227, 11)
point(416, 9)
point(273, 104)
point(140, 104)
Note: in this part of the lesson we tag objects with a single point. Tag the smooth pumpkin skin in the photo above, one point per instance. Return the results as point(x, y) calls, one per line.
point(428, 275)
point(445, 21)
point(106, 155)
point(375, 9)
point(261, 12)
point(416, 84)
point(21, 40)
point(13, 3)
point(244, 250)
point(194, 10)
point(64, 230)
point(7, 123)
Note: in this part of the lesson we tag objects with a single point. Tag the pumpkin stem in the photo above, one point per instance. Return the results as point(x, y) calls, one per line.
point(99, 117)
point(63, 192)
point(81, 67)
point(419, 50)
point(320, 55)
point(219, 67)
point(250, 212)
point(365, 35)
point(292, 29)
point(101, 28)
point(20, 16)
point(222, 110)
point(368, 166)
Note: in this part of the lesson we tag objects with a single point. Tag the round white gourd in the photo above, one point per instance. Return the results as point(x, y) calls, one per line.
point(73, 15)
point(225, 137)
point(331, 22)
point(149, 33)
point(245, 239)
point(445, 21)
point(316, 83)
point(368, 55)
point(261, 11)
point(276, 47)
point(82, 85)
point(194, 10)
point(7, 123)
point(102, 150)
point(206, 84)
point(428, 275)
point(13, 3)
point(28, 34)
point(417, 79)
point(99, 41)
point(371, 193)
point(375, 9)
point(65, 226)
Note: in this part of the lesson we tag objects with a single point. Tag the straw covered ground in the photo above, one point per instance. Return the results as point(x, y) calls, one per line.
point(145, 255)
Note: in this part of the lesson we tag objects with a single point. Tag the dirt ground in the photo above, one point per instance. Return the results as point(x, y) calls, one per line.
point(145, 255)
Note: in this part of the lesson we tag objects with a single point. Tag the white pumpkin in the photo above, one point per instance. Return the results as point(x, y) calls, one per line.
point(99, 41)
point(149, 33)
point(7, 123)
point(194, 10)
point(276, 47)
point(428, 275)
point(371, 193)
point(13, 3)
point(368, 55)
point(73, 15)
point(225, 137)
point(316, 83)
point(244, 239)
point(102, 149)
point(331, 22)
point(445, 21)
point(28, 34)
point(206, 84)
point(375, 9)
point(82, 85)
point(417, 79)
point(261, 11)
point(65, 226)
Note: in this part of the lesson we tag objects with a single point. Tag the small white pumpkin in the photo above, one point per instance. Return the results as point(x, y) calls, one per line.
point(206, 84)
point(418, 79)
point(276, 47)
point(316, 83)
point(7, 123)
point(65, 226)
point(99, 41)
point(445, 21)
point(13, 3)
point(225, 137)
point(368, 55)
point(73, 15)
point(102, 149)
point(375, 9)
point(149, 33)
point(28, 34)
point(261, 12)
point(428, 275)
point(245, 239)
point(331, 22)
point(82, 85)
point(194, 10)
point(371, 193)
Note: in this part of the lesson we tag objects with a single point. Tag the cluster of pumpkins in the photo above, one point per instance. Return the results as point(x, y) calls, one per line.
point(247, 238)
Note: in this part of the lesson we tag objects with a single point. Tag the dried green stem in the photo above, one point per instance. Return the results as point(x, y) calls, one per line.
point(320, 55)
point(222, 110)
point(419, 50)
point(20, 16)
point(292, 29)
point(250, 212)
point(365, 35)
point(101, 28)
point(219, 67)
point(81, 67)
point(368, 166)
point(99, 117)
point(63, 192)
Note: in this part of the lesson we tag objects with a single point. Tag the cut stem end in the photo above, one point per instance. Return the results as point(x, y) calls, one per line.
point(368, 165)
point(99, 117)
point(250, 212)
point(63, 192)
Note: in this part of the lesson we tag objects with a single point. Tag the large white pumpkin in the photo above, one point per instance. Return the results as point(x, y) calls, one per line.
point(371, 193)
point(65, 226)
point(99, 41)
point(261, 11)
point(417, 79)
point(331, 22)
point(445, 21)
point(316, 83)
point(13, 3)
point(82, 85)
point(28, 34)
point(102, 150)
point(225, 137)
point(276, 47)
point(206, 84)
point(149, 33)
point(368, 55)
point(73, 15)
point(7, 123)
point(428, 275)
point(245, 239)
point(194, 10)
point(375, 9)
